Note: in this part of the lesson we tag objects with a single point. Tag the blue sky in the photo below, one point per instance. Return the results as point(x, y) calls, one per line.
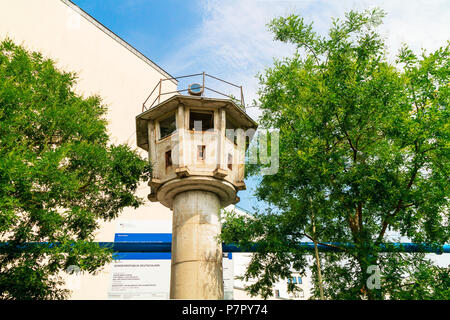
point(230, 39)
point(155, 28)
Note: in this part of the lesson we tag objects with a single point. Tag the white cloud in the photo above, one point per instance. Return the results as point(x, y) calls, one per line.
point(232, 43)
point(420, 24)
point(232, 40)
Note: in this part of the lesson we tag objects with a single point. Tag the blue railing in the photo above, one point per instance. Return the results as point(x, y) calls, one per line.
point(308, 246)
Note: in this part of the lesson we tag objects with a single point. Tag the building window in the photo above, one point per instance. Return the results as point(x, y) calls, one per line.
point(277, 293)
point(295, 280)
point(230, 162)
point(201, 120)
point(168, 158)
point(201, 152)
point(167, 126)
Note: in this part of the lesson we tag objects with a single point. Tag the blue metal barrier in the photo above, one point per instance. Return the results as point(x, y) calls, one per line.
point(308, 246)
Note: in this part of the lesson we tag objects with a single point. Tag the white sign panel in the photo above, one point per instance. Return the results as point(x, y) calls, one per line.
point(140, 279)
point(136, 275)
point(146, 275)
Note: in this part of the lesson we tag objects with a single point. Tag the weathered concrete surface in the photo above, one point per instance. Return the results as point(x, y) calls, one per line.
point(223, 189)
point(196, 252)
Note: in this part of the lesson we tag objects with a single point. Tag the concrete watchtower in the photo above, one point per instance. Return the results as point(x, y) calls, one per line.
point(196, 147)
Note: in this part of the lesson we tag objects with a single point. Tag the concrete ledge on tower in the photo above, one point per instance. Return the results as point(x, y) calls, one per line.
point(223, 189)
point(240, 185)
point(152, 197)
point(182, 172)
point(154, 183)
point(220, 173)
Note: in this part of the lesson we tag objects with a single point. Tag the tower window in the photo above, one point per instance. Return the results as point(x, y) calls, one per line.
point(167, 126)
point(168, 158)
point(201, 120)
point(201, 152)
point(230, 161)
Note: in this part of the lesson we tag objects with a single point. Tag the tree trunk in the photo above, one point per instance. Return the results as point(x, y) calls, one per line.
point(316, 250)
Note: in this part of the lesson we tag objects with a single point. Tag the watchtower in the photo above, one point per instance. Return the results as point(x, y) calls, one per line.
point(196, 146)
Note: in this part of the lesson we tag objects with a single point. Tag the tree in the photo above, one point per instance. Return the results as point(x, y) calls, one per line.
point(363, 149)
point(58, 176)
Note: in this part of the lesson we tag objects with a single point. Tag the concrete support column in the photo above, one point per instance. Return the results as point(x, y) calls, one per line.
point(196, 271)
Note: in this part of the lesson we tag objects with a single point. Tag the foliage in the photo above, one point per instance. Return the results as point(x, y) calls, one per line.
point(364, 145)
point(58, 176)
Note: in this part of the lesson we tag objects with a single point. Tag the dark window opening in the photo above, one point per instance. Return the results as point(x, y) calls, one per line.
point(168, 158)
point(230, 162)
point(201, 152)
point(167, 126)
point(201, 120)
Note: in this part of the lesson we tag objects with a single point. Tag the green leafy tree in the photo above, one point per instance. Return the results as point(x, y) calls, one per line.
point(59, 177)
point(363, 157)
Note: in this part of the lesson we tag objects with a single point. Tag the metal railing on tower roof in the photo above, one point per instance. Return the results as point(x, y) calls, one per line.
point(158, 91)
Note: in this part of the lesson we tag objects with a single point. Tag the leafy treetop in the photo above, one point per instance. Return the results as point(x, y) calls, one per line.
point(59, 177)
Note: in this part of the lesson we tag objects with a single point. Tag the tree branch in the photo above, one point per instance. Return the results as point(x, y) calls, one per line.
point(398, 206)
point(348, 138)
